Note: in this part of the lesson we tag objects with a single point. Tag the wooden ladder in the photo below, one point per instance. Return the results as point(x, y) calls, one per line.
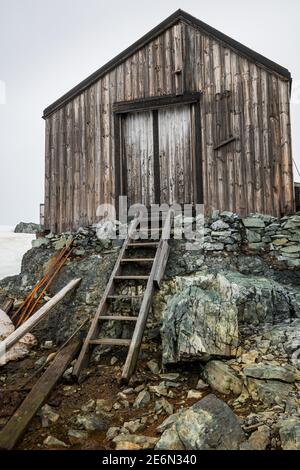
point(152, 279)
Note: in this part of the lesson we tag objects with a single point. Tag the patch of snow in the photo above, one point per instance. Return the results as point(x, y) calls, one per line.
point(12, 248)
point(7, 228)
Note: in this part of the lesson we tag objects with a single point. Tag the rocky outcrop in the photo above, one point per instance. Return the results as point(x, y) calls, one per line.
point(201, 427)
point(203, 313)
point(92, 266)
point(27, 227)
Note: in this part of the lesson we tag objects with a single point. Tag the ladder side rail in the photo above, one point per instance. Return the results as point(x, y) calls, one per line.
point(138, 333)
point(94, 327)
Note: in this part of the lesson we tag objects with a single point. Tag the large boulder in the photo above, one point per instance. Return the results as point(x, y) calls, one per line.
point(208, 425)
point(287, 373)
point(202, 316)
point(222, 378)
point(290, 434)
point(27, 227)
point(273, 392)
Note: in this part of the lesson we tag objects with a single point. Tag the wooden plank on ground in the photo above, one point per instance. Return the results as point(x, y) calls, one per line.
point(17, 425)
point(7, 305)
point(37, 316)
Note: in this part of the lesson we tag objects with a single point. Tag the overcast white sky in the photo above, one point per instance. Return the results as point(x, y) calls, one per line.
point(48, 46)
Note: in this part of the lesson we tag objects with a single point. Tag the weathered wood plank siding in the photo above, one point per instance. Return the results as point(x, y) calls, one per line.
point(176, 140)
point(138, 152)
point(254, 173)
point(240, 99)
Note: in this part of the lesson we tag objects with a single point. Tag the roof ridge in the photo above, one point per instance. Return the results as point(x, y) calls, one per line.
point(152, 34)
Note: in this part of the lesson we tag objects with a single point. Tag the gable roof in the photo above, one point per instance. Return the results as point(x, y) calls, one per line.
point(167, 23)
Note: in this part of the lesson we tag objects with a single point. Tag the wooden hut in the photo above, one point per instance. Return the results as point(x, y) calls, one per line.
point(186, 115)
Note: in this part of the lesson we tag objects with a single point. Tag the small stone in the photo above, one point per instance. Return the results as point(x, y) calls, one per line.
point(89, 406)
point(91, 423)
point(253, 237)
point(77, 437)
point(128, 391)
point(153, 366)
point(133, 426)
point(125, 404)
point(219, 225)
point(194, 395)
point(48, 345)
point(142, 399)
point(112, 432)
point(263, 346)
point(172, 376)
point(113, 360)
point(168, 383)
point(160, 390)
point(201, 385)
point(79, 252)
point(168, 422)
point(249, 357)
point(256, 246)
point(48, 416)
point(291, 249)
point(40, 362)
point(39, 242)
point(165, 405)
point(51, 441)
point(213, 246)
point(67, 376)
point(280, 241)
point(228, 216)
point(134, 442)
point(260, 439)
point(294, 263)
point(104, 405)
point(253, 222)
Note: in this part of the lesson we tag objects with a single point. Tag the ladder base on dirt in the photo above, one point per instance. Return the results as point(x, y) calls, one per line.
point(129, 257)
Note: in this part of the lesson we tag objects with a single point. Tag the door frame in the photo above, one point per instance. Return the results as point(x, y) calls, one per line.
point(122, 108)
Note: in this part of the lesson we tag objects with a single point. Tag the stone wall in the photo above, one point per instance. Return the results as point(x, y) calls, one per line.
point(256, 234)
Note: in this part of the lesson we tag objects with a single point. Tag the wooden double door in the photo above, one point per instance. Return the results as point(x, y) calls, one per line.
point(159, 156)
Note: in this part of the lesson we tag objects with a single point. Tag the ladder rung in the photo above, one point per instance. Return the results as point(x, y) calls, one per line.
point(117, 317)
point(124, 297)
point(110, 342)
point(149, 229)
point(143, 245)
point(137, 260)
point(131, 278)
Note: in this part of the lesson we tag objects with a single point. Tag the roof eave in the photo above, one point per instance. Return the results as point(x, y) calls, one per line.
point(179, 15)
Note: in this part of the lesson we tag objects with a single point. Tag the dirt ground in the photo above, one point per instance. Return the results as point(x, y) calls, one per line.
point(101, 381)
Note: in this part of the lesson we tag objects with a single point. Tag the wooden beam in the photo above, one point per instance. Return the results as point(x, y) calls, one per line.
point(7, 305)
point(118, 154)
point(37, 316)
point(225, 142)
point(198, 156)
point(19, 422)
point(156, 162)
point(147, 104)
point(161, 263)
